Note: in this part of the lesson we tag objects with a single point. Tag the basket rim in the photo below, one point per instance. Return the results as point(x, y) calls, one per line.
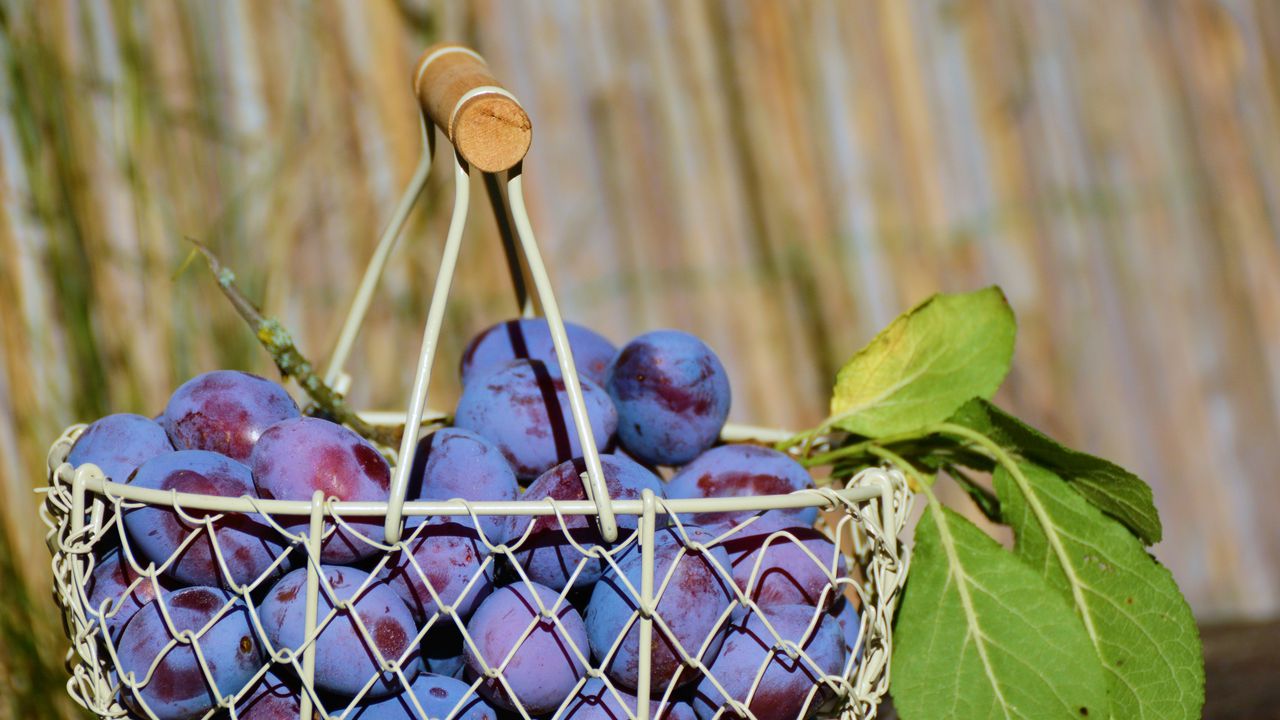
point(95, 483)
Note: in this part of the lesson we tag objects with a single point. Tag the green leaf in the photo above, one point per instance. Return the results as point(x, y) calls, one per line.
point(1137, 620)
point(925, 364)
point(1112, 489)
point(981, 635)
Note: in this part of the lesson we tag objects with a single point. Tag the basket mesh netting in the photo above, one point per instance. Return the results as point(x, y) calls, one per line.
point(216, 604)
point(701, 592)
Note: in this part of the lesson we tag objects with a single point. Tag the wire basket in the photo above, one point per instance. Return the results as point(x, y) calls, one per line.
point(640, 549)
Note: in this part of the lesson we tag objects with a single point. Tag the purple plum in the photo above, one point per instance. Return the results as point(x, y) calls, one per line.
point(672, 396)
point(248, 544)
point(741, 471)
point(454, 463)
point(177, 688)
point(115, 580)
point(446, 555)
point(596, 701)
point(788, 688)
point(530, 339)
point(546, 555)
point(850, 623)
point(296, 457)
point(225, 411)
point(345, 661)
point(524, 410)
point(271, 698)
point(694, 597)
point(438, 696)
point(545, 664)
point(771, 565)
point(118, 444)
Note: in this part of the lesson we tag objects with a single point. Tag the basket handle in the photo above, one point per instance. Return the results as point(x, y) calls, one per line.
point(482, 119)
point(489, 131)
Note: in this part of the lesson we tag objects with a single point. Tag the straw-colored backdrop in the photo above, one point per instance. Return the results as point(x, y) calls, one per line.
point(781, 178)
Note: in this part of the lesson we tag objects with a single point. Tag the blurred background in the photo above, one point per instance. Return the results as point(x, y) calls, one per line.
point(780, 178)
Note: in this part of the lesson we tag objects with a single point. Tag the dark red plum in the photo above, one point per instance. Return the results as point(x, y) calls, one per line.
point(546, 555)
point(454, 463)
point(178, 689)
point(270, 699)
point(694, 596)
point(225, 411)
point(345, 661)
point(248, 544)
point(114, 579)
point(296, 457)
point(446, 555)
point(771, 566)
point(118, 444)
point(438, 696)
point(672, 396)
point(596, 701)
point(787, 687)
point(530, 339)
point(741, 471)
point(524, 411)
point(544, 667)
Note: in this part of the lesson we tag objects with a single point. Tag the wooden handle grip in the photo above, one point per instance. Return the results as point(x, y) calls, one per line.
point(459, 94)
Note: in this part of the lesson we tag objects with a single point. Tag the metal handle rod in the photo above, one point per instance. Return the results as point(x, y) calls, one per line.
point(594, 483)
point(516, 265)
point(373, 272)
point(430, 338)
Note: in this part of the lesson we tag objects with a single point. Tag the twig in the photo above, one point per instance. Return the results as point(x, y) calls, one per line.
point(277, 341)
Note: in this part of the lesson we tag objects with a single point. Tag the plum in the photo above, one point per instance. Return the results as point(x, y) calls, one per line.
point(447, 556)
point(454, 463)
point(248, 544)
point(294, 458)
point(271, 698)
point(524, 410)
point(530, 338)
point(741, 471)
point(672, 396)
point(118, 444)
point(850, 623)
point(345, 661)
point(546, 555)
point(225, 411)
point(439, 697)
point(544, 666)
point(596, 701)
point(694, 596)
point(177, 688)
point(114, 579)
point(788, 688)
point(775, 569)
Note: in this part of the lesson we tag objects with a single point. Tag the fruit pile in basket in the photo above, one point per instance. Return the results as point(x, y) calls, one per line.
point(469, 615)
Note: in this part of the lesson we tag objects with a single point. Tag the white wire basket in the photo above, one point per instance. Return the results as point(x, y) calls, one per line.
point(627, 542)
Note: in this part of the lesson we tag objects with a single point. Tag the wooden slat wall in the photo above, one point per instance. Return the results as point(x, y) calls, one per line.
point(779, 177)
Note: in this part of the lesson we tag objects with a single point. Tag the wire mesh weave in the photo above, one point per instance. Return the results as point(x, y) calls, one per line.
point(85, 512)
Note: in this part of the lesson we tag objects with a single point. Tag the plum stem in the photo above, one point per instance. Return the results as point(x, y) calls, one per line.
point(277, 341)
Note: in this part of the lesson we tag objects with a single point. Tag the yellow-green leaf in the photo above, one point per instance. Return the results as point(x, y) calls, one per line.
point(926, 364)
